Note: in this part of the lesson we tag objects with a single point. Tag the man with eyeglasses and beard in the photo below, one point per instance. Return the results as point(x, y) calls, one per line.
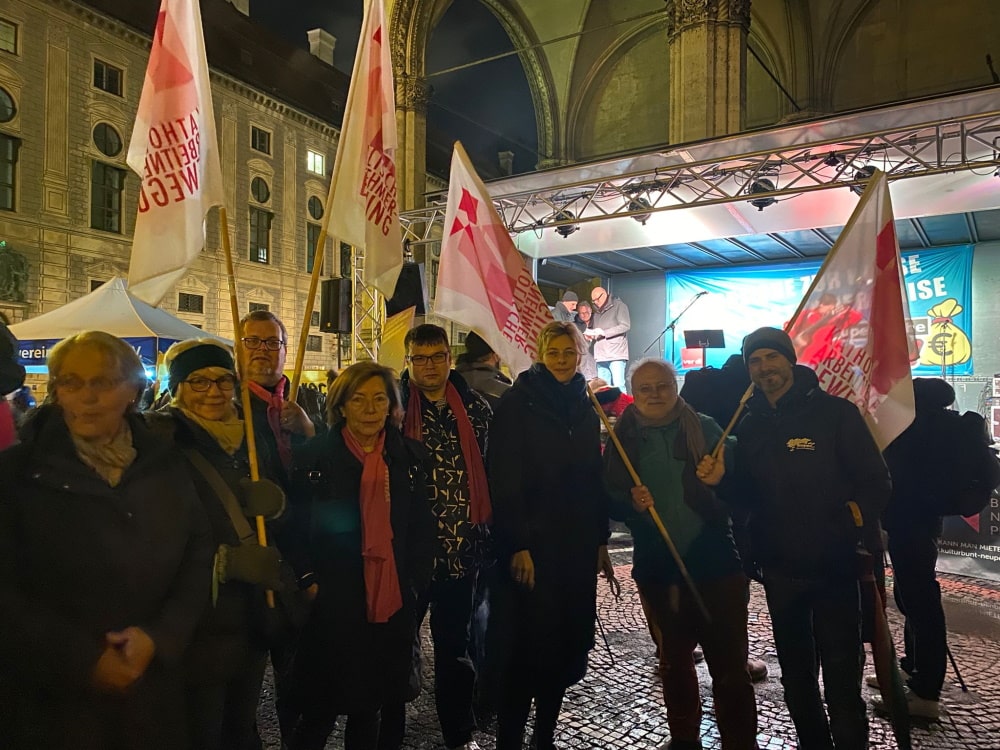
point(452, 421)
point(278, 424)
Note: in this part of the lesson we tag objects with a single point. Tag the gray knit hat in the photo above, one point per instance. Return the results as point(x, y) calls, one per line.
point(768, 338)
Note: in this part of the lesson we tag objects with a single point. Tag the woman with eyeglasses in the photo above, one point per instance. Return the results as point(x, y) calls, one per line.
point(105, 562)
point(370, 540)
point(225, 663)
point(551, 526)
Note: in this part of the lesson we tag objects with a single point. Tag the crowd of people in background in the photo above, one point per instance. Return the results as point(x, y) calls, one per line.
point(153, 562)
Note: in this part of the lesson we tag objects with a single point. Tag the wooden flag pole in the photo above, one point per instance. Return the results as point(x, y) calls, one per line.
point(798, 311)
point(244, 391)
point(652, 511)
point(300, 353)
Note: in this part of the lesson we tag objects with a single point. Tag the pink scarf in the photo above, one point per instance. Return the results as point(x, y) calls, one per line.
point(274, 403)
point(381, 580)
point(480, 509)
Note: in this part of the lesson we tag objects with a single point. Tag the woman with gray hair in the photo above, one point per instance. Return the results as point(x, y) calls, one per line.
point(228, 654)
point(551, 526)
point(370, 558)
point(104, 563)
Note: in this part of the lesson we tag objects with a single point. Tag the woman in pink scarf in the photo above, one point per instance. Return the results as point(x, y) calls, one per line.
point(369, 537)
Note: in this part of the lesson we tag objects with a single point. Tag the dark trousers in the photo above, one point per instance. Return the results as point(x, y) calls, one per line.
point(918, 597)
point(360, 732)
point(512, 715)
point(223, 715)
point(677, 626)
point(817, 623)
point(451, 605)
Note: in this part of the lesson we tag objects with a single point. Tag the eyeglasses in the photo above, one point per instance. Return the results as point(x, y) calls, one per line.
point(224, 382)
point(650, 389)
point(72, 384)
point(422, 359)
point(255, 342)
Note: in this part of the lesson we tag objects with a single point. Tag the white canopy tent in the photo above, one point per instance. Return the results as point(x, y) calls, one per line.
point(108, 308)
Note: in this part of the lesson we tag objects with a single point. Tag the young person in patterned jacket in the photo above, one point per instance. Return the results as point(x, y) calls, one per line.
point(452, 421)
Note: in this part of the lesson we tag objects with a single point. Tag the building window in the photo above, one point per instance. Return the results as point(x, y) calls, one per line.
point(312, 235)
point(260, 140)
point(314, 343)
point(314, 319)
point(106, 186)
point(7, 107)
point(315, 206)
point(96, 284)
point(9, 148)
point(259, 307)
point(190, 303)
point(107, 140)
point(260, 235)
point(107, 77)
point(316, 163)
point(260, 190)
point(8, 36)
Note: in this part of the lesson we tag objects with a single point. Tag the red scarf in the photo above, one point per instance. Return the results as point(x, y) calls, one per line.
point(274, 402)
point(480, 510)
point(381, 580)
point(8, 432)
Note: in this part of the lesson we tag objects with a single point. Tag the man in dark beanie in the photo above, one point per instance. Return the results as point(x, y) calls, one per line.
point(565, 309)
point(803, 456)
point(480, 366)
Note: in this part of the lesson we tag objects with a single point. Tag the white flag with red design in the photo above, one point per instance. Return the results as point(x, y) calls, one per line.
point(175, 153)
point(854, 329)
point(482, 279)
point(362, 209)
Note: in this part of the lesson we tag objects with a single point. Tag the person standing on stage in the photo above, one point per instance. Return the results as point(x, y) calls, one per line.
point(609, 330)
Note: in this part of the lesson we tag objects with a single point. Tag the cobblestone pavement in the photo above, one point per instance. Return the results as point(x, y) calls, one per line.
point(618, 704)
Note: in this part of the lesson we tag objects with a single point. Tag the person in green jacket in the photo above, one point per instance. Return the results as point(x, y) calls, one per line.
point(668, 444)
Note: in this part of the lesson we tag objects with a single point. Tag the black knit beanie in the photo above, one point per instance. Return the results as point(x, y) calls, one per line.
point(768, 338)
point(195, 358)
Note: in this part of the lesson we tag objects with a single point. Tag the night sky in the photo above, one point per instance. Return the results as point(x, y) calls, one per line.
point(488, 107)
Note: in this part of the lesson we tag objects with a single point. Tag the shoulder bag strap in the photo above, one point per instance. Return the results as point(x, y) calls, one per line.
point(224, 493)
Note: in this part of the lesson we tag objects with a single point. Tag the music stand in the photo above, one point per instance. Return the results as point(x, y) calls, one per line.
point(709, 338)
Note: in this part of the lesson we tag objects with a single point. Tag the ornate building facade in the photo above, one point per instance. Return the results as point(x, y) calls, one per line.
point(71, 74)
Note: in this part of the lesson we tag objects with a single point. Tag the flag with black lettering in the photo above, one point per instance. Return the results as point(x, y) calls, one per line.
point(175, 152)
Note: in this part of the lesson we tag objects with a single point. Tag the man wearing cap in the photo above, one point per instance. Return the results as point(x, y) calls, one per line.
point(565, 309)
point(480, 366)
point(803, 456)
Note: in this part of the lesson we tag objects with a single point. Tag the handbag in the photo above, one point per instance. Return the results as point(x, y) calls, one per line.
point(291, 605)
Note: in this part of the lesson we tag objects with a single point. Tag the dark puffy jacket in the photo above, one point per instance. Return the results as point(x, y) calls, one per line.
point(798, 465)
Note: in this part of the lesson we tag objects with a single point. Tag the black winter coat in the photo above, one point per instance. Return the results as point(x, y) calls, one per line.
point(345, 663)
point(546, 478)
point(79, 558)
point(798, 465)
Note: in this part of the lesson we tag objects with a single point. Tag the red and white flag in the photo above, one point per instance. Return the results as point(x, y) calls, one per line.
point(175, 152)
point(482, 279)
point(362, 206)
point(853, 329)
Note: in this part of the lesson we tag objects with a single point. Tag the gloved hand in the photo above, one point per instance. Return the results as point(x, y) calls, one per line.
point(252, 563)
point(261, 498)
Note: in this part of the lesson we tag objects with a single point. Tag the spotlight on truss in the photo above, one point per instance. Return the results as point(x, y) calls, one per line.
point(865, 173)
point(638, 204)
point(565, 230)
point(762, 185)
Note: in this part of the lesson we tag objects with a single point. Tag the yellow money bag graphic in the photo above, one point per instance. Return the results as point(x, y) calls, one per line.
point(946, 344)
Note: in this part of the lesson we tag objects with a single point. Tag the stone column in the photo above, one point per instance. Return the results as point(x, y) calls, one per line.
point(708, 59)
point(412, 94)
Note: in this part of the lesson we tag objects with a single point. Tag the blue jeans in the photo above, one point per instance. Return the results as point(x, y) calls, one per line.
point(818, 624)
point(613, 373)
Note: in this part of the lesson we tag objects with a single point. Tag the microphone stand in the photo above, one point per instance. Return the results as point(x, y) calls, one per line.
point(671, 326)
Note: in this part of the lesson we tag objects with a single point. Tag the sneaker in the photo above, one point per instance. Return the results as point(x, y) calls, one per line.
point(698, 654)
point(919, 708)
point(757, 670)
point(682, 745)
point(871, 680)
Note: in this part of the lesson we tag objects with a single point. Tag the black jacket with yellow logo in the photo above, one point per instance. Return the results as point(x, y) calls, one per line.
point(798, 465)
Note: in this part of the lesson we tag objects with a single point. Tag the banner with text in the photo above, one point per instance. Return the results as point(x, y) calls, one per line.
point(742, 299)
